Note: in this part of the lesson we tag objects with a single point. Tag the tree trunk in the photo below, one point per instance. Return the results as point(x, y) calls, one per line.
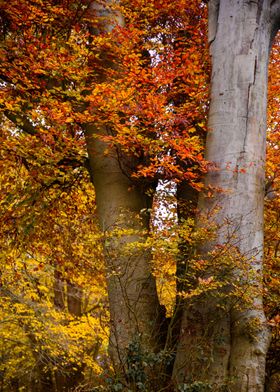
point(58, 289)
point(123, 217)
point(65, 378)
point(228, 346)
point(122, 209)
point(74, 299)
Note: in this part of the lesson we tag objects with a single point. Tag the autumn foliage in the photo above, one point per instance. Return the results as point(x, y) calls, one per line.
point(272, 208)
point(146, 82)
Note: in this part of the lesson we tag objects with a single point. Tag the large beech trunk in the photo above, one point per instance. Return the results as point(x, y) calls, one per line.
point(228, 346)
point(123, 215)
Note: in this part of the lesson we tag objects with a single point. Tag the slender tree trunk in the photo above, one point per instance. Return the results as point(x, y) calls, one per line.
point(74, 299)
point(229, 346)
point(187, 199)
point(58, 289)
point(67, 378)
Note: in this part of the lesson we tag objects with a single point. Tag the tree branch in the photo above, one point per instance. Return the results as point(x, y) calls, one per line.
point(22, 122)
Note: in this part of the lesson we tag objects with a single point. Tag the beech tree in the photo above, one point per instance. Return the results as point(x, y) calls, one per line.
point(240, 35)
point(121, 89)
point(231, 350)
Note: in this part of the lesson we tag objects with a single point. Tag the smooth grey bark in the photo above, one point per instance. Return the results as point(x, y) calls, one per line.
point(121, 207)
point(228, 347)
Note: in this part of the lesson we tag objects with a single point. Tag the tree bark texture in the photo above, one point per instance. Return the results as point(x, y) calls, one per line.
point(121, 207)
point(74, 299)
point(122, 210)
point(58, 290)
point(227, 347)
